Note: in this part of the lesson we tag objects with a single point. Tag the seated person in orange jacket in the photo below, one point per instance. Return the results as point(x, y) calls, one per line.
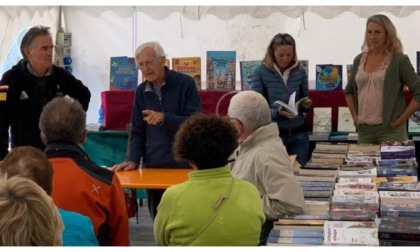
point(79, 184)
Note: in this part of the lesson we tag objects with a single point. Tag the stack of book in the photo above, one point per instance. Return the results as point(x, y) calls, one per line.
point(400, 199)
point(329, 153)
point(402, 170)
point(316, 189)
point(361, 155)
point(397, 159)
point(299, 230)
point(399, 231)
point(357, 201)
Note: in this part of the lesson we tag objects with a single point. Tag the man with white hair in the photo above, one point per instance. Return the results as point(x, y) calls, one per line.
point(162, 103)
point(262, 159)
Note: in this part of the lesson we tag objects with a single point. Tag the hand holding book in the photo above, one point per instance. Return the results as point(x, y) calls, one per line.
point(291, 110)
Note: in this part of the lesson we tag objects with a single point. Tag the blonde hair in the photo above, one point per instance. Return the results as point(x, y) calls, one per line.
point(28, 216)
point(393, 43)
point(281, 39)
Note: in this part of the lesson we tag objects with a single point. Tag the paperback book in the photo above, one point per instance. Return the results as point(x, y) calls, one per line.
point(190, 66)
point(414, 122)
point(247, 68)
point(399, 228)
point(345, 120)
point(292, 107)
point(221, 70)
point(296, 240)
point(322, 119)
point(123, 74)
point(297, 233)
point(342, 233)
point(329, 77)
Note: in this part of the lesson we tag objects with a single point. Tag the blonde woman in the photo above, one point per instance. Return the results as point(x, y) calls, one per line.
point(374, 92)
point(28, 216)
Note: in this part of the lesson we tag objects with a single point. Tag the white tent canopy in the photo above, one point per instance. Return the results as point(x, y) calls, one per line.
point(324, 34)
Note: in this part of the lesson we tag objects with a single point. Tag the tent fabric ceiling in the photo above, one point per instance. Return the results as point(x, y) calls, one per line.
point(227, 12)
point(325, 34)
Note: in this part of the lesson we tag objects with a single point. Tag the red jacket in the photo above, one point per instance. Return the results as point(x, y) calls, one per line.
point(81, 186)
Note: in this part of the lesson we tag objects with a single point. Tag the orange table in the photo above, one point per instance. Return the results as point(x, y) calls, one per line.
point(152, 178)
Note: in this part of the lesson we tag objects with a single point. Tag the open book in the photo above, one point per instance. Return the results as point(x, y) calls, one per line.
point(292, 107)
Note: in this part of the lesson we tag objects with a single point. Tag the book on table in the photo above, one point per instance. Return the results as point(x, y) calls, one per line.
point(399, 228)
point(329, 77)
point(190, 66)
point(350, 233)
point(293, 106)
point(123, 73)
point(247, 68)
point(322, 120)
point(221, 70)
point(345, 120)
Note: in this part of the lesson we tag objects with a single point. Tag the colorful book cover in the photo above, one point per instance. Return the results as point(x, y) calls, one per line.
point(378, 180)
point(247, 68)
point(221, 70)
point(190, 66)
point(329, 77)
point(123, 74)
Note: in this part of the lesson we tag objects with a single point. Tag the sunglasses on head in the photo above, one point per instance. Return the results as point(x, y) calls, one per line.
point(283, 39)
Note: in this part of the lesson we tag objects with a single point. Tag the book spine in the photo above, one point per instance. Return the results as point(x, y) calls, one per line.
point(399, 213)
point(385, 235)
point(297, 233)
point(398, 243)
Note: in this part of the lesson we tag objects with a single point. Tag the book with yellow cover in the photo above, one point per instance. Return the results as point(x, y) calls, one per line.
point(190, 66)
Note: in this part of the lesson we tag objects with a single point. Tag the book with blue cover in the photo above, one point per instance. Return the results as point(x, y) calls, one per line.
point(123, 74)
point(296, 240)
point(221, 70)
point(329, 77)
point(247, 68)
point(297, 233)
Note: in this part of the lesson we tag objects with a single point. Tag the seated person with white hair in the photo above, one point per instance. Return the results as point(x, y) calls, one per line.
point(262, 159)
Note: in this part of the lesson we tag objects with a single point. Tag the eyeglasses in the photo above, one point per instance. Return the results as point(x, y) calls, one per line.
point(283, 39)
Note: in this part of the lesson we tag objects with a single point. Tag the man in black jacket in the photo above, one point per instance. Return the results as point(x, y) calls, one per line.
point(28, 86)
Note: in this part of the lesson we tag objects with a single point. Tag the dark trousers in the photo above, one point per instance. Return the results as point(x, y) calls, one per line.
point(265, 231)
point(153, 200)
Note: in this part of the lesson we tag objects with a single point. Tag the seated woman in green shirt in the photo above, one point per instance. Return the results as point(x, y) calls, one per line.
point(212, 208)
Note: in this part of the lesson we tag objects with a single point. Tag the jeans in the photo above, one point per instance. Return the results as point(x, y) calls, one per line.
point(297, 144)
